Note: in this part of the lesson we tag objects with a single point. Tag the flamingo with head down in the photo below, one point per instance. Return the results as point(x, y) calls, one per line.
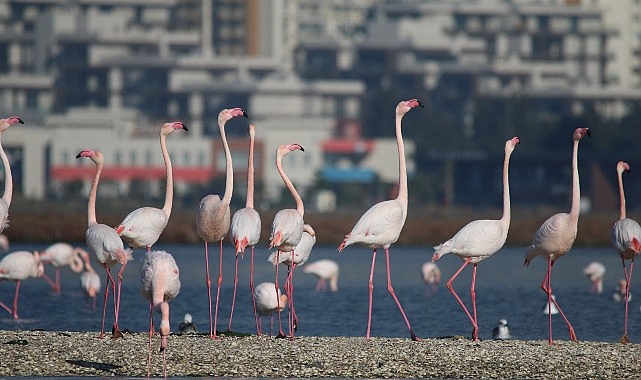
point(60, 255)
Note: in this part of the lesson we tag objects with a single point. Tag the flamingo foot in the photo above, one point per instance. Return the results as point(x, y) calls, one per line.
point(624, 339)
point(280, 336)
point(116, 333)
point(573, 335)
point(415, 338)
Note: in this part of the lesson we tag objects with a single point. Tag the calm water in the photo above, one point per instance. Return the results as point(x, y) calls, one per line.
point(505, 289)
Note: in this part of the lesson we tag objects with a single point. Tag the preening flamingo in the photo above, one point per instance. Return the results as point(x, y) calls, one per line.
point(160, 283)
point(105, 245)
point(327, 273)
point(287, 227)
point(245, 228)
point(213, 215)
point(479, 240)
point(626, 239)
point(19, 266)
point(298, 256)
point(60, 255)
point(142, 227)
point(269, 300)
point(5, 201)
point(556, 235)
point(381, 225)
point(431, 275)
point(595, 271)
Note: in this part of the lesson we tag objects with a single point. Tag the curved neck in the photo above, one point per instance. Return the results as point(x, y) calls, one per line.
point(621, 196)
point(169, 190)
point(576, 190)
point(91, 204)
point(506, 189)
point(402, 167)
point(250, 174)
point(229, 168)
point(299, 201)
point(8, 180)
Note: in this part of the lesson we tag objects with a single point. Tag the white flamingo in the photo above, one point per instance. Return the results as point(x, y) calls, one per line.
point(327, 273)
point(381, 225)
point(479, 240)
point(269, 300)
point(595, 272)
point(60, 255)
point(90, 283)
point(431, 275)
point(19, 266)
point(5, 201)
point(556, 235)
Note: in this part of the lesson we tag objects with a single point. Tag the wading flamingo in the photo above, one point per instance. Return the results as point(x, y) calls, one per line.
point(105, 245)
point(90, 282)
point(269, 300)
point(60, 255)
point(381, 225)
point(327, 273)
point(626, 239)
point(431, 275)
point(142, 227)
point(556, 235)
point(5, 201)
point(19, 266)
point(213, 215)
point(479, 240)
point(245, 228)
point(594, 272)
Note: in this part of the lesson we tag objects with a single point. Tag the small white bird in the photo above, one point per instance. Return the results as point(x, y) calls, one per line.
point(549, 308)
point(187, 326)
point(502, 331)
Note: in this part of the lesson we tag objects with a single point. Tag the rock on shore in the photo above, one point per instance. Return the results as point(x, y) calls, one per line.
point(48, 353)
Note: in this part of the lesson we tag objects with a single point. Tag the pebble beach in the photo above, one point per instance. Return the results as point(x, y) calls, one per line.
point(72, 354)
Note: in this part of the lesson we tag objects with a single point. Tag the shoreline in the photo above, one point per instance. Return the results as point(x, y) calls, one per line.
point(59, 353)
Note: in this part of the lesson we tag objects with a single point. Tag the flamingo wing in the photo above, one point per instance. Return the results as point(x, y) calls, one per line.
point(142, 227)
point(105, 244)
point(245, 228)
point(379, 226)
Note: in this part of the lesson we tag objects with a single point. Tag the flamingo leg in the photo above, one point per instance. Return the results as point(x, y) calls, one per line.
point(116, 333)
point(280, 326)
point(293, 317)
point(233, 300)
point(475, 323)
point(547, 287)
point(458, 299)
point(151, 333)
point(50, 282)
point(628, 278)
point(7, 308)
point(370, 286)
point(212, 333)
point(251, 288)
point(15, 300)
point(220, 281)
point(390, 289)
point(104, 304)
point(57, 289)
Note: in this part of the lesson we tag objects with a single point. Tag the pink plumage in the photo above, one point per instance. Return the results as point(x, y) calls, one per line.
point(326, 271)
point(431, 275)
point(60, 255)
point(19, 266)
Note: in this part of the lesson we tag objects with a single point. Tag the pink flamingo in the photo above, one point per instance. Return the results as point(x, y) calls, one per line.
point(479, 240)
point(287, 227)
point(595, 271)
point(327, 273)
point(105, 245)
point(213, 215)
point(269, 300)
point(19, 266)
point(160, 283)
point(381, 225)
point(60, 255)
point(5, 201)
point(626, 239)
point(142, 227)
point(298, 256)
point(90, 282)
point(245, 228)
point(431, 275)
point(556, 235)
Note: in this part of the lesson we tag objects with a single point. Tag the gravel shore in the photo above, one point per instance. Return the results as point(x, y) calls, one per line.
point(46, 353)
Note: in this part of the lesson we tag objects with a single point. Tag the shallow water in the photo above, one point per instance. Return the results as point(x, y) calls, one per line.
point(504, 289)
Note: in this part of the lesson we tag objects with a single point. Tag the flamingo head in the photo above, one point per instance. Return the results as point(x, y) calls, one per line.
point(6, 123)
point(623, 166)
point(404, 106)
point(511, 144)
point(286, 148)
point(170, 127)
point(229, 113)
point(579, 133)
point(95, 156)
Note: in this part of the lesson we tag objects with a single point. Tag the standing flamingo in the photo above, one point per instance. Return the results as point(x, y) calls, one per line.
point(327, 273)
point(105, 245)
point(556, 235)
point(431, 275)
point(142, 227)
point(381, 225)
point(626, 239)
point(5, 201)
point(479, 240)
point(19, 266)
point(160, 283)
point(90, 283)
point(287, 227)
point(595, 271)
point(60, 255)
point(268, 301)
point(245, 228)
point(298, 256)
point(213, 215)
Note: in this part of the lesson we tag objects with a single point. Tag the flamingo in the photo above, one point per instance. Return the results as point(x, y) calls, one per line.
point(595, 271)
point(245, 228)
point(626, 239)
point(187, 326)
point(61, 255)
point(431, 275)
point(479, 240)
point(268, 301)
point(105, 245)
point(326, 271)
point(5, 201)
point(142, 227)
point(19, 266)
point(213, 215)
point(556, 235)
point(288, 225)
point(90, 282)
point(160, 283)
point(292, 259)
point(619, 293)
point(502, 331)
point(381, 225)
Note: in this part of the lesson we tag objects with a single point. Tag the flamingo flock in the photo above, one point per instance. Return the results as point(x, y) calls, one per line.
point(292, 241)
